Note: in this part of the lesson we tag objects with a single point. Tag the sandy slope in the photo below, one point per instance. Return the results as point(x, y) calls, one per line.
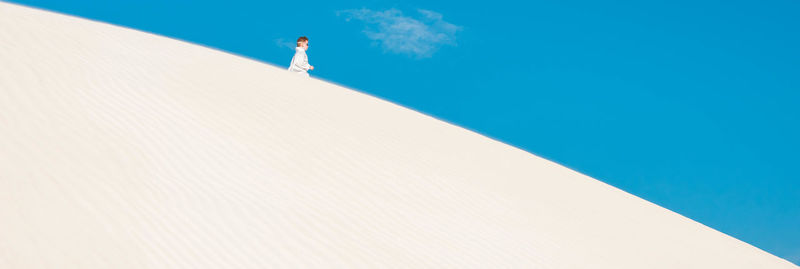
point(121, 149)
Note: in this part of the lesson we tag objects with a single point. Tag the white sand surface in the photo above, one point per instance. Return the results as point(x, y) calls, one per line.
point(123, 149)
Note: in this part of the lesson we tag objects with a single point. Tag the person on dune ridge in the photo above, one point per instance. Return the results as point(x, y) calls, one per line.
point(299, 62)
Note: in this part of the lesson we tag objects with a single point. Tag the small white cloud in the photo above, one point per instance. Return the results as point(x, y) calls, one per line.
point(285, 43)
point(420, 37)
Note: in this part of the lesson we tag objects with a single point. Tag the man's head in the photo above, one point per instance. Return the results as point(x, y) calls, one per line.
point(302, 42)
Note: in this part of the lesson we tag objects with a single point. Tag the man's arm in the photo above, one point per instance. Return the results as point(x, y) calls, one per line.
point(301, 62)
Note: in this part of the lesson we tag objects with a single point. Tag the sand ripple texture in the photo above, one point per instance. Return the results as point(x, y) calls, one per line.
point(124, 149)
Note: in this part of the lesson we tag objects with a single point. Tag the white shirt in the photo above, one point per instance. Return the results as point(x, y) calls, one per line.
point(299, 62)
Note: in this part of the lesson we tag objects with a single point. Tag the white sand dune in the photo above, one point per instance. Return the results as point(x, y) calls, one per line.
point(122, 149)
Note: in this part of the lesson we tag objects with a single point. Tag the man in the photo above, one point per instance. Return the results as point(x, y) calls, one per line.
point(299, 63)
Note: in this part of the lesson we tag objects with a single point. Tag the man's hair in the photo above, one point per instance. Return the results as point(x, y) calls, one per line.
point(301, 39)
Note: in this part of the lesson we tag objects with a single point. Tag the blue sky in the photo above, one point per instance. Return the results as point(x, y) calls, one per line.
point(693, 105)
